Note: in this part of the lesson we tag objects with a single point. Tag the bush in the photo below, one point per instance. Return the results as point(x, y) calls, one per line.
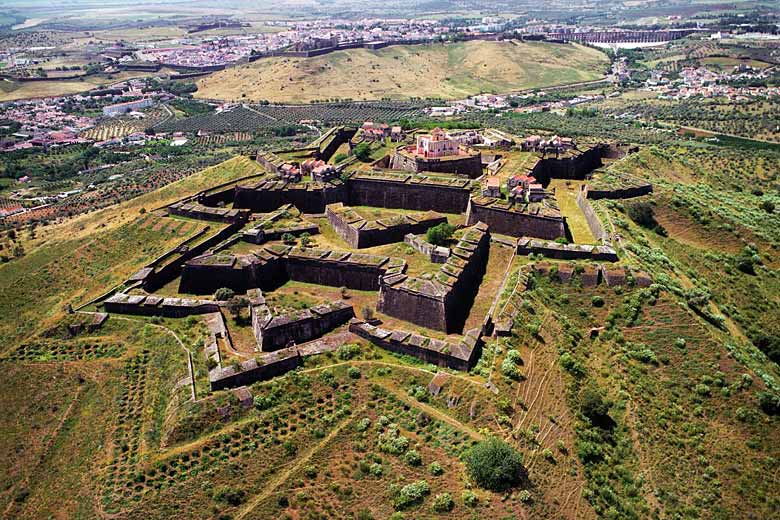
point(642, 213)
point(223, 294)
point(362, 152)
point(597, 301)
point(412, 494)
point(593, 405)
point(339, 158)
point(768, 206)
point(435, 469)
point(413, 458)
point(228, 495)
point(443, 503)
point(495, 465)
point(353, 372)
point(347, 351)
point(769, 402)
point(469, 498)
point(439, 235)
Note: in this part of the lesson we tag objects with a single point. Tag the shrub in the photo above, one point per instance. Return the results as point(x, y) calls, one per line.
point(339, 158)
point(443, 503)
point(347, 351)
point(435, 469)
point(223, 294)
point(597, 301)
point(768, 206)
point(495, 465)
point(288, 238)
point(228, 495)
point(469, 498)
point(440, 234)
point(411, 494)
point(353, 372)
point(362, 152)
point(642, 213)
point(593, 405)
point(524, 496)
point(376, 469)
point(769, 402)
point(413, 458)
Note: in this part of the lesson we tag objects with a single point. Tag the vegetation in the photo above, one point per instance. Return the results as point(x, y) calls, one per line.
point(495, 465)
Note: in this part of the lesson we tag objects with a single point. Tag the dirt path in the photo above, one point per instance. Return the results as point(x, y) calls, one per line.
point(430, 410)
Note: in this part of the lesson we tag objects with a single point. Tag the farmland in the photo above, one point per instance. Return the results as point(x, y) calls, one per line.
point(403, 72)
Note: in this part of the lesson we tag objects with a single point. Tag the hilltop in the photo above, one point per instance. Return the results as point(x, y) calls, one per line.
point(408, 71)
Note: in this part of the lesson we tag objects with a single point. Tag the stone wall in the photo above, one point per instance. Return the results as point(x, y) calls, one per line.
point(443, 301)
point(469, 165)
point(271, 365)
point(301, 326)
point(436, 254)
point(508, 220)
point(270, 267)
point(404, 191)
point(620, 193)
point(151, 305)
point(573, 165)
point(309, 197)
point(591, 218)
point(359, 232)
point(462, 355)
point(199, 211)
point(527, 246)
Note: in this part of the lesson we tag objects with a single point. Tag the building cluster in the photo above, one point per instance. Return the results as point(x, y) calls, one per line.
point(371, 131)
point(703, 82)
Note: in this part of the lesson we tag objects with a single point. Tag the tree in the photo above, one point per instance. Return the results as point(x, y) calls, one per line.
point(439, 235)
point(235, 304)
point(305, 240)
point(288, 238)
point(224, 294)
point(495, 465)
point(362, 152)
point(768, 206)
point(593, 405)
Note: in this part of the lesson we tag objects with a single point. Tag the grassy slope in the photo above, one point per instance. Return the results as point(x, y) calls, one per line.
point(84, 257)
point(401, 72)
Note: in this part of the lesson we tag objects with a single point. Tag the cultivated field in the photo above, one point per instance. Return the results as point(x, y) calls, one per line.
point(403, 72)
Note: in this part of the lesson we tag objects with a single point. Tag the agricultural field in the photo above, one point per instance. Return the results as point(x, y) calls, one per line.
point(121, 126)
point(403, 72)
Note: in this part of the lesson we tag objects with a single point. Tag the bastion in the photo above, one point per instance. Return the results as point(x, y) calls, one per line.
point(442, 301)
point(538, 219)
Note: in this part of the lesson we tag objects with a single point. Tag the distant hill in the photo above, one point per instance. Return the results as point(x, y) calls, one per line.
point(400, 72)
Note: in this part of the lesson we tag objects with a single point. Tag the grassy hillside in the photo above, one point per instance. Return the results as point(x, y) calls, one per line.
point(82, 258)
point(402, 72)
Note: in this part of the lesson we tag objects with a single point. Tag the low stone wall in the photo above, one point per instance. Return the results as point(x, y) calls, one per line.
point(443, 301)
point(436, 254)
point(462, 355)
point(527, 246)
point(201, 212)
point(122, 303)
point(505, 219)
point(258, 235)
point(269, 366)
point(620, 193)
point(359, 232)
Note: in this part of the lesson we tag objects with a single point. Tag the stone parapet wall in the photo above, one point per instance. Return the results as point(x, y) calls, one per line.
point(619, 193)
point(596, 228)
point(198, 211)
point(270, 267)
point(269, 366)
point(301, 326)
point(461, 355)
point(308, 197)
point(527, 246)
point(151, 305)
point(359, 232)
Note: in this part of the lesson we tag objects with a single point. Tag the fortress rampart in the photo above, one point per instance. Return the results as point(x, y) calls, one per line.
point(462, 355)
point(443, 301)
point(539, 219)
point(469, 164)
point(407, 191)
point(309, 197)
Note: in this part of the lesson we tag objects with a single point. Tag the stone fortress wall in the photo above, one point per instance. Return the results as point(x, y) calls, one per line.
point(270, 267)
point(442, 301)
point(359, 232)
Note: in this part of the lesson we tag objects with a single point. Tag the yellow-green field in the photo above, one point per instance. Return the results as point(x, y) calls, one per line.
point(407, 71)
